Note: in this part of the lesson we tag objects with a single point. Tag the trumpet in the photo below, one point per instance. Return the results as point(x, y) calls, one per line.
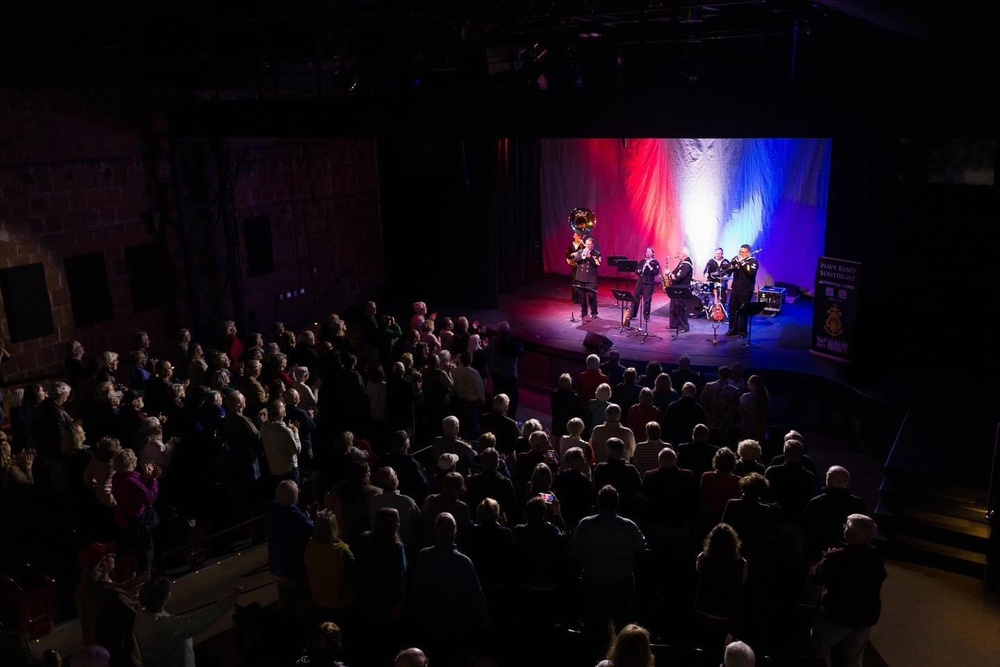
point(737, 263)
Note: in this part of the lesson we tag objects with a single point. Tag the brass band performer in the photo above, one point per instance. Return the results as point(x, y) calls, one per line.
point(648, 271)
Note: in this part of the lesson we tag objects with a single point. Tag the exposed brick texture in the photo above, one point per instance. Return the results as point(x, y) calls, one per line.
point(79, 174)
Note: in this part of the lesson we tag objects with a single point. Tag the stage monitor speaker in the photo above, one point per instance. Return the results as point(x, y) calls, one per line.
point(89, 293)
point(147, 277)
point(26, 300)
point(260, 254)
point(596, 343)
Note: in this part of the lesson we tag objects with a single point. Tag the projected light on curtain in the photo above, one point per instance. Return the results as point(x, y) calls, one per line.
point(702, 193)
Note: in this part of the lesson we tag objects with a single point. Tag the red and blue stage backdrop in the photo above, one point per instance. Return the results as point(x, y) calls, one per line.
point(702, 193)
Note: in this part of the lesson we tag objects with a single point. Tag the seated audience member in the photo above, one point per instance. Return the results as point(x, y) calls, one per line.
point(606, 546)
point(165, 639)
point(629, 648)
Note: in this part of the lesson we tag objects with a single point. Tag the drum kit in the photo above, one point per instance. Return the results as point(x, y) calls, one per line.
point(708, 300)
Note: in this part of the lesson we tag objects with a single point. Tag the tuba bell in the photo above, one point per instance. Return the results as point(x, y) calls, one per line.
point(582, 220)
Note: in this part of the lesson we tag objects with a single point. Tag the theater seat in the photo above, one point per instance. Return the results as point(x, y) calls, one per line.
point(32, 607)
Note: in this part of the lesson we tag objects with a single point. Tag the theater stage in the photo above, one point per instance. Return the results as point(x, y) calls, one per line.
point(543, 316)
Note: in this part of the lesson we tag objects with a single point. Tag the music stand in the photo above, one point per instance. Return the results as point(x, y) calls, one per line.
point(748, 310)
point(624, 298)
point(582, 288)
point(683, 293)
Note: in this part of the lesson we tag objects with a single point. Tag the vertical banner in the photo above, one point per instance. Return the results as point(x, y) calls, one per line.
point(835, 308)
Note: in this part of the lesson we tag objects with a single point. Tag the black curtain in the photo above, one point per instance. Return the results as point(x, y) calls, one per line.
point(516, 207)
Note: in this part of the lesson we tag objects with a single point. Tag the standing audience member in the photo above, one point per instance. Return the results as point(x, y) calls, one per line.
point(134, 514)
point(165, 639)
point(565, 405)
point(753, 409)
point(281, 444)
point(448, 600)
point(852, 578)
point(330, 571)
point(606, 546)
point(288, 530)
point(824, 515)
point(629, 648)
point(721, 573)
point(505, 351)
point(682, 415)
point(106, 608)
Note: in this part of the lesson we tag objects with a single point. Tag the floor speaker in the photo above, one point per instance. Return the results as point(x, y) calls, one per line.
point(596, 343)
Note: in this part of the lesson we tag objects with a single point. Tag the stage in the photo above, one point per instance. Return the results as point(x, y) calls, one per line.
point(543, 316)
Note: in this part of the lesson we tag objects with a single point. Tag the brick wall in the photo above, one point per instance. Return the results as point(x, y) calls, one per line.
point(75, 178)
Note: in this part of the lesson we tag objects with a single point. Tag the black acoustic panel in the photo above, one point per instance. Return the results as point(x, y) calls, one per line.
point(260, 255)
point(26, 300)
point(147, 277)
point(89, 293)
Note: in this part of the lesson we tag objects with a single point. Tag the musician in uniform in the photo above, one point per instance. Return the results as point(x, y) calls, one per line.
point(743, 269)
point(587, 260)
point(680, 277)
point(715, 273)
point(575, 245)
point(648, 272)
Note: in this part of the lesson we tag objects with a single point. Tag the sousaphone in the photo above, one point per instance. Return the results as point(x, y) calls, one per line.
point(582, 221)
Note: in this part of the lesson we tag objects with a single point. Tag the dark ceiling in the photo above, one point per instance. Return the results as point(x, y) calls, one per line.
point(302, 48)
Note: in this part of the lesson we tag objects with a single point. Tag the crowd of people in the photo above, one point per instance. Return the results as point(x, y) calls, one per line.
point(411, 517)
